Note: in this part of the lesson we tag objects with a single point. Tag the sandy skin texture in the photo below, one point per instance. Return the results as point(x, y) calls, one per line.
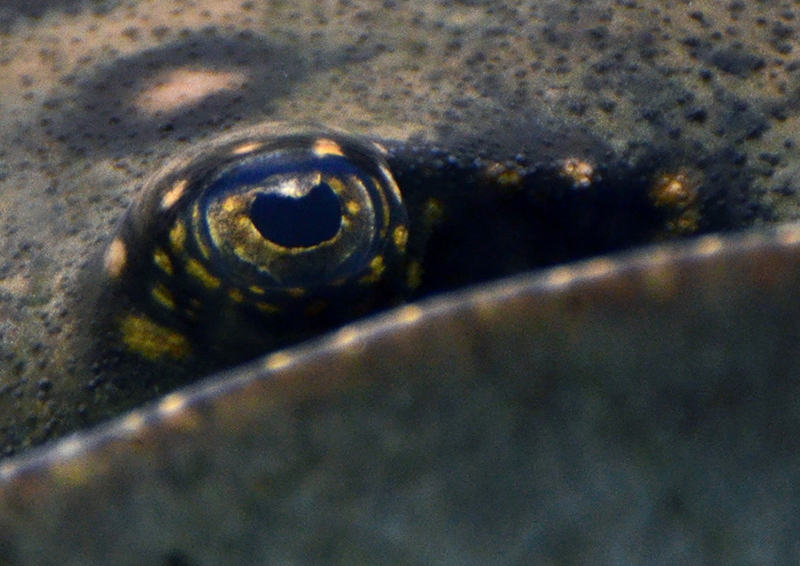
point(95, 96)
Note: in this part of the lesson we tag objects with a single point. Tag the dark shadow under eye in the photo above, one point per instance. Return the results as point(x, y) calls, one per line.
point(295, 222)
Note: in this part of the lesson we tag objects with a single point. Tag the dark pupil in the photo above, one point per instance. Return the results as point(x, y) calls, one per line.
point(298, 222)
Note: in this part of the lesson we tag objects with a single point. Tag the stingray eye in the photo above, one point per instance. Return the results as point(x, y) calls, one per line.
point(248, 237)
point(297, 213)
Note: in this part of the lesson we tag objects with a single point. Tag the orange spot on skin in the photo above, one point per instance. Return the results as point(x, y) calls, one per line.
point(675, 193)
point(247, 148)
point(324, 147)
point(581, 172)
point(174, 194)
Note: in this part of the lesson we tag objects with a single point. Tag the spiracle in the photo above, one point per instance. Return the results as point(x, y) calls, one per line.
point(254, 238)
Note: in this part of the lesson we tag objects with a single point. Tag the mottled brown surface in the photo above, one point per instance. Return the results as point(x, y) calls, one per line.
point(95, 95)
point(86, 112)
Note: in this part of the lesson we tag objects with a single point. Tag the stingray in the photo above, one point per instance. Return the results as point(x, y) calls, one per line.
point(638, 407)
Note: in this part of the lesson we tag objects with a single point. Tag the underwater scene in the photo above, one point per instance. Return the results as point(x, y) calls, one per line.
point(399, 282)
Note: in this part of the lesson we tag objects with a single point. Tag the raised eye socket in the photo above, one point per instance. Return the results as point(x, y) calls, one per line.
point(261, 224)
point(308, 213)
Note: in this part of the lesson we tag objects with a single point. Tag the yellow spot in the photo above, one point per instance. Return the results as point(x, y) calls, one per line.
point(115, 258)
point(174, 409)
point(675, 193)
point(231, 204)
point(172, 404)
point(247, 148)
point(581, 172)
point(236, 295)
point(400, 236)
point(257, 290)
point(598, 268)
point(163, 261)
point(377, 267)
point(151, 340)
point(205, 251)
point(708, 245)
point(674, 190)
point(353, 207)
point(346, 337)
point(503, 175)
point(201, 244)
point(174, 194)
point(338, 186)
point(510, 178)
point(199, 272)
point(324, 147)
point(163, 296)
point(278, 360)
point(177, 236)
point(408, 314)
point(386, 209)
point(133, 422)
point(267, 308)
point(560, 276)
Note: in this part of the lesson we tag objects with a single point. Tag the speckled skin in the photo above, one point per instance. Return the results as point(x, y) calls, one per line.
point(97, 97)
point(660, 85)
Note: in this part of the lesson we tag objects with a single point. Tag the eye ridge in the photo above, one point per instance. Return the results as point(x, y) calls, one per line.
point(254, 239)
